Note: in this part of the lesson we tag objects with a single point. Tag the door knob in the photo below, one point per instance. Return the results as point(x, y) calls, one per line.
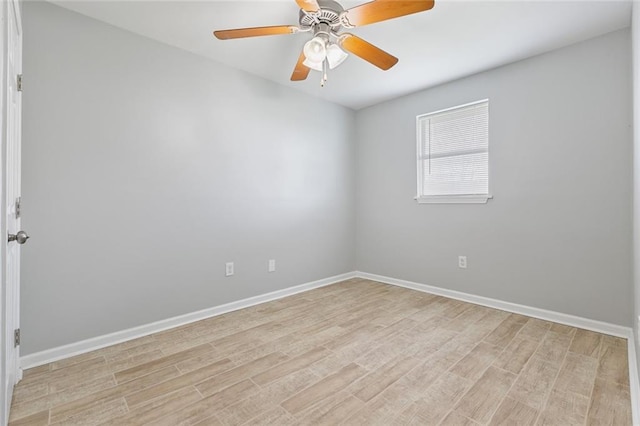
point(21, 237)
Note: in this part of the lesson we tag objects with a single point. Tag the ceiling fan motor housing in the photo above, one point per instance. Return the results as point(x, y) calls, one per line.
point(329, 15)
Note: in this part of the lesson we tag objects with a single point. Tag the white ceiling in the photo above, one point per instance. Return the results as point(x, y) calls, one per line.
point(453, 40)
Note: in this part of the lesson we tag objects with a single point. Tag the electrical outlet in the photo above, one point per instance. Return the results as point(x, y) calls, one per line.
point(462, 262)
point(228, 269)
point(272, 265)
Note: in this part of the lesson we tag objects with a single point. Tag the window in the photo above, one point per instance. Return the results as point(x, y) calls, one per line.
point(453, 155)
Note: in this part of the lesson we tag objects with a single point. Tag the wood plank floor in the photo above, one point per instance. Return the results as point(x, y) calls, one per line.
point(357, 352)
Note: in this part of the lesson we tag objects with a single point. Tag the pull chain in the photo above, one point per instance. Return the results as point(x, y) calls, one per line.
point(323, 80)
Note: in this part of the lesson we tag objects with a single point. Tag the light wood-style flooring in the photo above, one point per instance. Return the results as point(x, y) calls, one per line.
point(356, 353)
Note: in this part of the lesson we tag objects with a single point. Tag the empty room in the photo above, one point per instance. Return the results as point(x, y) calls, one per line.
point(319, 212)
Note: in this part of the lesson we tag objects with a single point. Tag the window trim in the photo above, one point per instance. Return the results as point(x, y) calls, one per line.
point(454, 199)
point(444, 199)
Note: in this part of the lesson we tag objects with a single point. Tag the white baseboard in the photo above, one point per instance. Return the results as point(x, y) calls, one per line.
point(574, 321)
point(634, 383)
point(77, 348)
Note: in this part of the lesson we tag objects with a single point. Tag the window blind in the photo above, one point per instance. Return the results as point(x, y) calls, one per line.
point(454, 151)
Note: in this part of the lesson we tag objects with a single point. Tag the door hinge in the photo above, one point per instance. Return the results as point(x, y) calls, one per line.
point(16, 337)
point(19, 82)
point(18, 205)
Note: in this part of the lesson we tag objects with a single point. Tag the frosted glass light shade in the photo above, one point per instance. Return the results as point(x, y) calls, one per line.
point(315, 50)
point(335, 56)
point(313, 65)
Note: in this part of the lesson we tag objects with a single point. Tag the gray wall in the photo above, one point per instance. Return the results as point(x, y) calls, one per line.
point(635, 25)
point(146, 168)
point(557, 234)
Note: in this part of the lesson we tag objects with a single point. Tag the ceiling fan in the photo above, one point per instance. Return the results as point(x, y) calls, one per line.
point(325, 19)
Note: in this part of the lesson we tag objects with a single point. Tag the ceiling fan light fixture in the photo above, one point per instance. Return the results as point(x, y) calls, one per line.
point(315, 50)
point(335, 56)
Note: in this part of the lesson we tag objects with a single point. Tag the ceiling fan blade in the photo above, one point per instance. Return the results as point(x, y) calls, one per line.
point(255, 32)
point(300, 72)
point(381, 10)
point(308, 5)
point(367, 51)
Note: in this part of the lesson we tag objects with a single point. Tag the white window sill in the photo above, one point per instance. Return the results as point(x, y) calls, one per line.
point(453, 199)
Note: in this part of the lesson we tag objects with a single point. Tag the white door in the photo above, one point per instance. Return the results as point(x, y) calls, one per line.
point(13, 238)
